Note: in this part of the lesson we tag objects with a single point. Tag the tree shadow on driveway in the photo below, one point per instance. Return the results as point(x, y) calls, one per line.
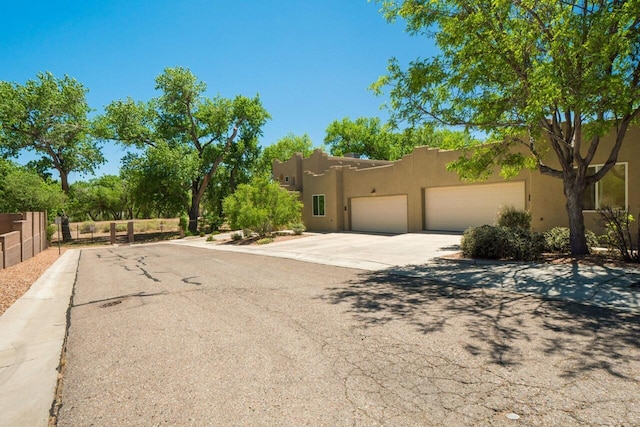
point(506, 328)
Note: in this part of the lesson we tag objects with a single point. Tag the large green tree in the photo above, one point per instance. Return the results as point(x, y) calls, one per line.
point(540, 73)
point(238, 168)
point(23, 189)
point(159, 180)
point(101, 198)
point(365, 136)
point(368, 137)
point(185, 123)
point(283, 149)
point(49, 116)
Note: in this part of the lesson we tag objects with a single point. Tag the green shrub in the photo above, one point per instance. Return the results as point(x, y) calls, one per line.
point(236, 236)
point(485, 241)
point(619, 238)
point(51, 230)
point(209, 223)
point(85, 227)
point(525, 245)
point(490, 242)
point(558, 240)
point(264, 241)
point(513, 218)
point(261, 206)
point(298, 228)
point(184, 223)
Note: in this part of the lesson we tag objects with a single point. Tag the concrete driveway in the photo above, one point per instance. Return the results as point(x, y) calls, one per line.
point(355, 250)
point(419, 255)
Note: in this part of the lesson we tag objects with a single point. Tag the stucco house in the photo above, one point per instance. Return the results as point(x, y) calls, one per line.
point(417, 193)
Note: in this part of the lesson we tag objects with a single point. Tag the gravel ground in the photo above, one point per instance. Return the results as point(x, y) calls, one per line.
point(17, 279)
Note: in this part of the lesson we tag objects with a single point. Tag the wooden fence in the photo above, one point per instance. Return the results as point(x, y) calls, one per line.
point(22, 236)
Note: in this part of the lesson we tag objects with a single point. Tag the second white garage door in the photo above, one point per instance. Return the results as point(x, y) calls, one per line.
point(457, 208)
point(387, 214)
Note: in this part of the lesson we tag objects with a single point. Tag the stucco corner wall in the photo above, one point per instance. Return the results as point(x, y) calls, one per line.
point(323, 184)
point(22, 236)
point(12, 250)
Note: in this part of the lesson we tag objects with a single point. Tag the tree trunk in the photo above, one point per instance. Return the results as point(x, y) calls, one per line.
point(232, 179)
point(66, 230)
point(574, 194)
point(194, 209)
point(64, 179)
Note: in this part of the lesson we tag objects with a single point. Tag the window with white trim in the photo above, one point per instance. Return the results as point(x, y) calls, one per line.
point(611, 190)
point(318, 204)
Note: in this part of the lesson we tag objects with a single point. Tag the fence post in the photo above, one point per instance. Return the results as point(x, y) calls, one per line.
point(112, 228)
point(130, 231)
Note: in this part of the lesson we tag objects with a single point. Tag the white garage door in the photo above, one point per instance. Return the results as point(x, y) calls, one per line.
point(387, 214)
point(457, 208)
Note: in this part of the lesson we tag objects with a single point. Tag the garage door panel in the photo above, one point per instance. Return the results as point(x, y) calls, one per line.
point(386, 214)
point(457, 208)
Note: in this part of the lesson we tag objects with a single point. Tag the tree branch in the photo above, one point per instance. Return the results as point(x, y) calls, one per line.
point(192, 128)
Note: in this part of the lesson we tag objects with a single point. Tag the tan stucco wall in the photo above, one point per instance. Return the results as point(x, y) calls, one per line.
point(408, 176)
point(318, 162)
point(22, 236)
point(341, 179)
point(329, 184)
point(548, 204)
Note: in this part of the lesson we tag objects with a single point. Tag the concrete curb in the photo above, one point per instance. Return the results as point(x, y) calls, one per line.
point(32, 334)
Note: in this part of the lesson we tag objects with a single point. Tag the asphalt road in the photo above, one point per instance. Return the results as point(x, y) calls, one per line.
point(166, 335)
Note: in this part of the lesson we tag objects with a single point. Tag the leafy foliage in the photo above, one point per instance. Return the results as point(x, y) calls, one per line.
point(557, 240)
point(49, 116)
point(209, 223)
point(364, 136)
point(200, 134)
point(619, 236)
point(298, 228)
point(100, 198)
point(158, 181)
point(282, 150)
point(549, 77)
point(513, 218)
point(368, 137)
point(491, 242)
point(262, 206)
point(183, 223)
point(23, 190)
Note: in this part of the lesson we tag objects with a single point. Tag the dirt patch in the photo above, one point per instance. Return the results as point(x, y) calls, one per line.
point(255, 240)
point(17, 279)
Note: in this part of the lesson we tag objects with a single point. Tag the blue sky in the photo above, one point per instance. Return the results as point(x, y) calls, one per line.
point(311, 61)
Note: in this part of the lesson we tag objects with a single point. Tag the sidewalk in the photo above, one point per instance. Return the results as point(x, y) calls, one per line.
point(609, 287)
point(32, 333)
